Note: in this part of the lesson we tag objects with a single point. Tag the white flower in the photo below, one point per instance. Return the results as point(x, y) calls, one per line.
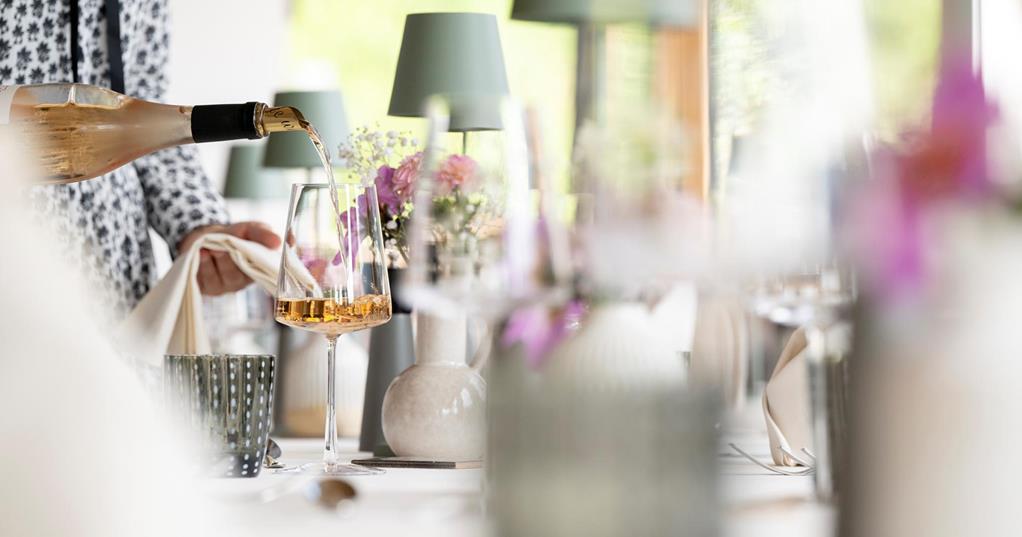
point(392, 225)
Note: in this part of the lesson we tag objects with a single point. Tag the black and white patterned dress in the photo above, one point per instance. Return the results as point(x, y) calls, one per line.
point(105, 221)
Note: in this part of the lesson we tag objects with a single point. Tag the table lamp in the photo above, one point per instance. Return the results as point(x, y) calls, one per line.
point(248, 179)
point(325, 110)
point(592, 17)
point(654, 12)
point(458, 56)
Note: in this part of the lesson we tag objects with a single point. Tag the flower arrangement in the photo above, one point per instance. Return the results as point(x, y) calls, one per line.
point(393, 163)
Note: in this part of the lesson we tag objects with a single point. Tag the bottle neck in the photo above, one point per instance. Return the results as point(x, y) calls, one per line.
point(220, 122)
point(280, 119)
point(253, 120)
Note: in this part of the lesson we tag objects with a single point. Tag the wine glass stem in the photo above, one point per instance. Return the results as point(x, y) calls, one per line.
point(330, 433)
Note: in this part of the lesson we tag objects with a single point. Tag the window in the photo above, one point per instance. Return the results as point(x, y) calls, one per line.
point(359, 42)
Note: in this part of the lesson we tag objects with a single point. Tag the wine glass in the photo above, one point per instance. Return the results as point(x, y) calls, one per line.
point(333, 280)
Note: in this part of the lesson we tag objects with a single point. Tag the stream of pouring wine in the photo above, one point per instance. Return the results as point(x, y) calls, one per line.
point(324, 157)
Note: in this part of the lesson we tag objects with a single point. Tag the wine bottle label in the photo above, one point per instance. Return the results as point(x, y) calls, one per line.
point(6, 98)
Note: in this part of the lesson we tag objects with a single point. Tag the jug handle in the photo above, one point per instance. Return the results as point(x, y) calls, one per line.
point(482, 353)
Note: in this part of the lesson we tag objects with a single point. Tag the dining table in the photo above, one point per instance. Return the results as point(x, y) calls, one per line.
point(451, 502)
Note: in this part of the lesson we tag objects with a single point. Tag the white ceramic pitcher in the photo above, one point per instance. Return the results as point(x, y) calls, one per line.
point(436, 408)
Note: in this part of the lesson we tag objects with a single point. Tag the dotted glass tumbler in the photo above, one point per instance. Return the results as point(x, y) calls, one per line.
point(225, 401)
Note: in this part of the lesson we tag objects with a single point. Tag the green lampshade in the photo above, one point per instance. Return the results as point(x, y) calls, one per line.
point(325, 110)
point(679, 13)
point(248, 179)
point(457, 56)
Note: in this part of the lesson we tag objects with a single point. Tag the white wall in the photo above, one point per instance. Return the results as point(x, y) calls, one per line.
point(225, 51)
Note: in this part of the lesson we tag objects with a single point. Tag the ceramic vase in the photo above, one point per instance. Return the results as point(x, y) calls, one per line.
point(436, 408)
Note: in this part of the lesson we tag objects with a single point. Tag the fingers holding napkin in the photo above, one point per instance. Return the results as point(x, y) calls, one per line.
point(168, 320)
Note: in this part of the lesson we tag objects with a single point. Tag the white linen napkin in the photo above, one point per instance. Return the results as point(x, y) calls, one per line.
point(786, 402)
point(720, 348)
point(168, 320)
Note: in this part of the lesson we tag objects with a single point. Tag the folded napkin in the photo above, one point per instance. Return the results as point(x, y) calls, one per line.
point(720, 348)
point(168, 320)
point(786, 402)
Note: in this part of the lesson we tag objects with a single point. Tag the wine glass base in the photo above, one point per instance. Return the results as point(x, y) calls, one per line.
point(329, 470)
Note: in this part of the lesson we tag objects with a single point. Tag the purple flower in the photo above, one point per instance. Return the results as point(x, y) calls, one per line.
point(888, 237)
point(961, 116)
point(349, 222)
point(390, 202)
point(540, 330)
point(946, 164)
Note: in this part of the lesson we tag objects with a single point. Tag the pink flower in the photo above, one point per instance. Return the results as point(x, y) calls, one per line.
point(957, 149)
point(457, 172)
point(406, 175)
point(540, 330)
point(946, 164)
point(390, 202)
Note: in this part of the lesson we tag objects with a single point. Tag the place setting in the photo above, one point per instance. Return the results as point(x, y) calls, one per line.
point(714, 268)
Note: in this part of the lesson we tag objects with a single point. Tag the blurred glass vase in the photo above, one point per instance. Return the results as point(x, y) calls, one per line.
point(569, 458)
point(929, 413)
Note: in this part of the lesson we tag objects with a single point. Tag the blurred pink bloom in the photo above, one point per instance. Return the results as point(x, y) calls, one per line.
point(315, 265)
point(887, 238)
point(406, 175)
point(950, 160)
point(457, 171)
point(947, 164)
point(540, 330)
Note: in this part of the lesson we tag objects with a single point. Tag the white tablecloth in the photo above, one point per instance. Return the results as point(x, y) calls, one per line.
point(449, 502)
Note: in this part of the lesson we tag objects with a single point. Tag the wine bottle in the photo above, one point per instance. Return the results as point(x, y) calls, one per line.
point(80, 132)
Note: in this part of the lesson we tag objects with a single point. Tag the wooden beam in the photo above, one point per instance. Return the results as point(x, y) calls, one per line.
point(682, 83)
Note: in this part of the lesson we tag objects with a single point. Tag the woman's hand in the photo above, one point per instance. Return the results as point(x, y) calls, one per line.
point(217, 272)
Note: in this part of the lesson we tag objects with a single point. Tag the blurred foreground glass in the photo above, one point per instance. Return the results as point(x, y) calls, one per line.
point(333, 280)
point(567, 458)
point(226, 401)
point(635, 227)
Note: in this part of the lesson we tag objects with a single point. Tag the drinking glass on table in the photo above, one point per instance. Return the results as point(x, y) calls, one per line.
point(333, 280)
point(819, 299)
